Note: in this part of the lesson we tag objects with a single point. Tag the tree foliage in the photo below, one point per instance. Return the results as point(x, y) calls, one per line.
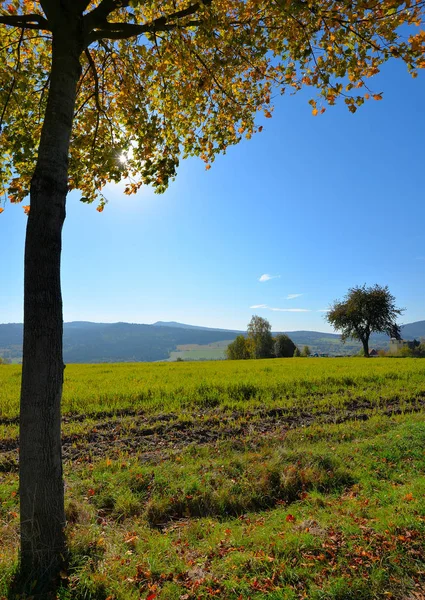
point(365, 310)
point(162, 80)
point(284, 347)
point(238, 349)
point(260, 337)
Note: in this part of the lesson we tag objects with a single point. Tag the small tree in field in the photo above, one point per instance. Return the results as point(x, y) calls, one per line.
point(284, 347)
point(365, 310)
point(238, 349)
point(306, 351)
point(297, 352)
point(260, 337)
point(84, 83)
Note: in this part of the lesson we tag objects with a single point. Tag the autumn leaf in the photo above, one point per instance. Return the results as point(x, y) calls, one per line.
point(1, 210)
point(290, 518)
point(26, 209)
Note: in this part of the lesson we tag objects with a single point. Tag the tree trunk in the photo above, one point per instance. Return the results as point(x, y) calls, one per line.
point(41, 482)
point(365, 342)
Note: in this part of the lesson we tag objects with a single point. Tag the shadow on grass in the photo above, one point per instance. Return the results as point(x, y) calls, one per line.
point(25, 588)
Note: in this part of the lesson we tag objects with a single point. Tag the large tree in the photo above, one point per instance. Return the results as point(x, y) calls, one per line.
point(260, 338)
point(283, 347)
point(365, 310)
point(99, 90)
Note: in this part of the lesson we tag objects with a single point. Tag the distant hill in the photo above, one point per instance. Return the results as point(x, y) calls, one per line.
point(87, 342)
point(184, 326)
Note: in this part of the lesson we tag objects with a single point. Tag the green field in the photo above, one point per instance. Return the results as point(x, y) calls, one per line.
point(213, 351)
point(274, 479)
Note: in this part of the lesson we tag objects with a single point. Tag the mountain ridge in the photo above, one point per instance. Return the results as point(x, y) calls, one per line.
point(90, 342)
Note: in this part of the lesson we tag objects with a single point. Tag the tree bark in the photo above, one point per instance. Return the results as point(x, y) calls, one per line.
point(41, 482)
point(365, 342)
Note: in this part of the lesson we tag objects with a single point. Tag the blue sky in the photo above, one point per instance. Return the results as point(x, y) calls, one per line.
point(319, 204)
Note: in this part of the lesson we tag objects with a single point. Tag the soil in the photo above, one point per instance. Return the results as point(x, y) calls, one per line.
point(153, 436)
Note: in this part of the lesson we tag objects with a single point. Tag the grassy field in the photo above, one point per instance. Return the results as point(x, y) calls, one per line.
point(276, 479)
point(213, 351)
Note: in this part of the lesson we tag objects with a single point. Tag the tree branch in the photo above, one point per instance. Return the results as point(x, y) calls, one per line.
point(126, 30)
point(26, 21)
point(99, 15)
point(104, 29)
point(49, 7)
point(96, 80)
point(12, 85)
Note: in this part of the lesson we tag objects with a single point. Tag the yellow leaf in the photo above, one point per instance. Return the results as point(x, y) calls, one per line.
point(314, 112)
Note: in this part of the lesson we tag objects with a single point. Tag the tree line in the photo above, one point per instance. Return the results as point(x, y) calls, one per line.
point(260, 343)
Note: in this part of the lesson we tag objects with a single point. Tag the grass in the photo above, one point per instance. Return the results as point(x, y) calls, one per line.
point(279, 479)
point(213, 351)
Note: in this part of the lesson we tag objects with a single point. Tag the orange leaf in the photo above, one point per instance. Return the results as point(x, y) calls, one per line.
point(1, 210)
point(26, 209)
point(314, 112)
point(290, 519)
point(377, 96)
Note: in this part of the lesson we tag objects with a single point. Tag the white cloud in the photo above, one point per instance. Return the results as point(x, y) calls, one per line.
point(280, 309)
point(292, 296)
point(324, 310)
point(267, 277)
point(289, 309)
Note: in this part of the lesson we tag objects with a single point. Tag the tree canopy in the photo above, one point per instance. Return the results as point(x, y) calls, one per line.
point(365, 310)
point(284, 347)
point(260, 338)
point(164, 80)
point(238, 349)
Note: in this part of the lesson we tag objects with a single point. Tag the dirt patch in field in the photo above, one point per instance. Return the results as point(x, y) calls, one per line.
point(111, 434)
